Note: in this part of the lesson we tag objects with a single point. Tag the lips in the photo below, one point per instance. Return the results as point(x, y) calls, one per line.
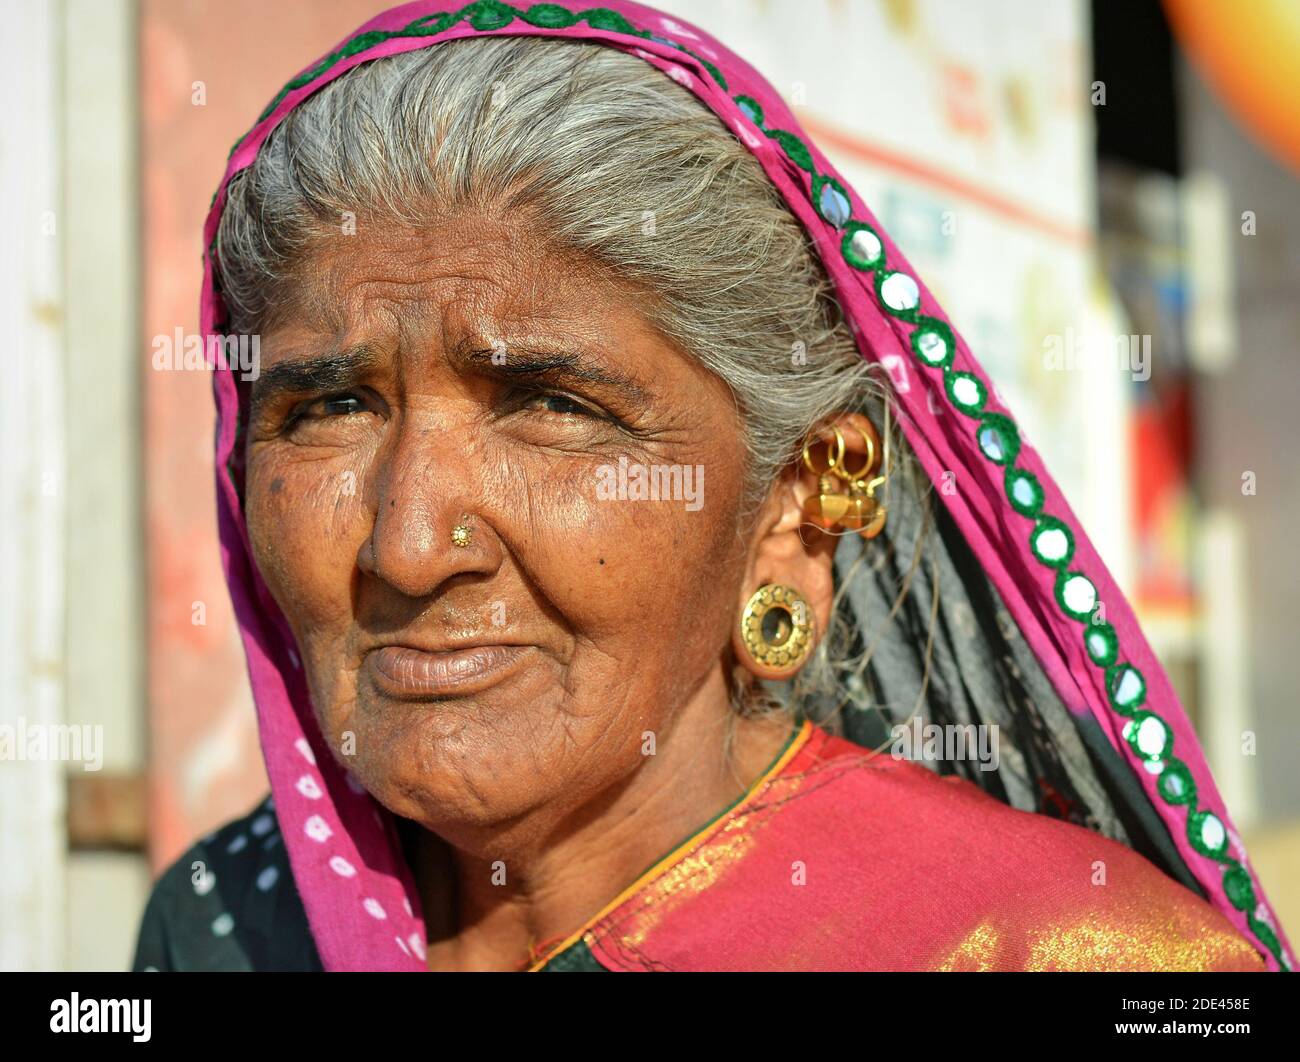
point(406, 673)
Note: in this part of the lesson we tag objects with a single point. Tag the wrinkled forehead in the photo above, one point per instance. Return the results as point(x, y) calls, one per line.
point(496, 265)
point(464, 288)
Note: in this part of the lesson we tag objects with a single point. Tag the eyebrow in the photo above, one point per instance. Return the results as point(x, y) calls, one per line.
point(334, 371)
point(340, 370)
point(551, 367)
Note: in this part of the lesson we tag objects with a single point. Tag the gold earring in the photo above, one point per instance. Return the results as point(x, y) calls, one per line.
point(863, 513)
point(831, 462)
point(827, 507)
point(776, 628)
point(869, 464)
point(857, 509)
point(866, 515)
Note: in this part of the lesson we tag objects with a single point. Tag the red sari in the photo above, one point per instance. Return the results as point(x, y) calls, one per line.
point(838, 858)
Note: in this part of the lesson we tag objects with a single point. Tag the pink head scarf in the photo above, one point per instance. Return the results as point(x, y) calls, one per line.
point(356, 887)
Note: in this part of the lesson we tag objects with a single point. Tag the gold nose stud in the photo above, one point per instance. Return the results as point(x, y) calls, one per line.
point(460, 536)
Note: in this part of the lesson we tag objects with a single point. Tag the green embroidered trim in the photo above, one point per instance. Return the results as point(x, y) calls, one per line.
point(1126, 687)
point(933, 342)
point(1024, 492)
point(1149, 737)
point(714, 72)
point(1207, 833)
point(998, 438)
point(1102, 643)
point(1265, 933)
point(549, 16)
point(487, 16)
point(793, 147)
point(832, 201)
point(934, 345)
point(861, 247)
point(491, 15)
point(1238, 886)
point(435, 24)
point(751, 109)
point(1052, 542)
point(1176, 784)
point(602, 18)
point(359, 44)
point(966, 391)
point(898, 293)
point(1076, 595)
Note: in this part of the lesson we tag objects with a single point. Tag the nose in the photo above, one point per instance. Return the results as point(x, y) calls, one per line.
point(429, 524)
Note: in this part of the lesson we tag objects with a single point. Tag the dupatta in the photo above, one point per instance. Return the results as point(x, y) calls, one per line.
point(1012, 618)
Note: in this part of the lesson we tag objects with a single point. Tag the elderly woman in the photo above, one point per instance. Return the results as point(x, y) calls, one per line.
point(596, 600)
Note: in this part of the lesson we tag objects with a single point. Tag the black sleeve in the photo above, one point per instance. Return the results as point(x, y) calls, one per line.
point(152, 952)
point(229, 903)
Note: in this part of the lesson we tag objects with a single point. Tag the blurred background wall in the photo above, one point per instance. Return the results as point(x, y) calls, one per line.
point(1060, 173)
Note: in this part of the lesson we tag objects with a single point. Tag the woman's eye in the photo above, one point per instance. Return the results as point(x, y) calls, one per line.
point(561, 404)
point(313, 416)
point(340, 405)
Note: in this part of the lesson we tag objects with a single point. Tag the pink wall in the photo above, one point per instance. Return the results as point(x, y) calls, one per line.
point(205, 764)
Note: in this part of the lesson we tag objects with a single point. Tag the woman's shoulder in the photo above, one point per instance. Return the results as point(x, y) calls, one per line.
point(1016, 889)
point(229, 903)
point(852, 860)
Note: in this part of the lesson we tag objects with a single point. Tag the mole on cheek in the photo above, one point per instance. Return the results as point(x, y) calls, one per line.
point(276, 485)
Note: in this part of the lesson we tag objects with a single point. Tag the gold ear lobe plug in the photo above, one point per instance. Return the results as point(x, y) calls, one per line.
point(777, 630)
point(461, 536)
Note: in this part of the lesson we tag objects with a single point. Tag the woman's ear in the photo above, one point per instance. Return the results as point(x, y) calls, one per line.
point(791, 550)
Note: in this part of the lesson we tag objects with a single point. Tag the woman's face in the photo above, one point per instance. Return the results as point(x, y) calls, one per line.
point(468, 375)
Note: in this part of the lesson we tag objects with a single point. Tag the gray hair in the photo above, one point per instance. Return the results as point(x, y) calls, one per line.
point(619, 163)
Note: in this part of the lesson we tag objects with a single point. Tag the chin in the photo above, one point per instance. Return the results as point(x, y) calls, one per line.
point(465, 763)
